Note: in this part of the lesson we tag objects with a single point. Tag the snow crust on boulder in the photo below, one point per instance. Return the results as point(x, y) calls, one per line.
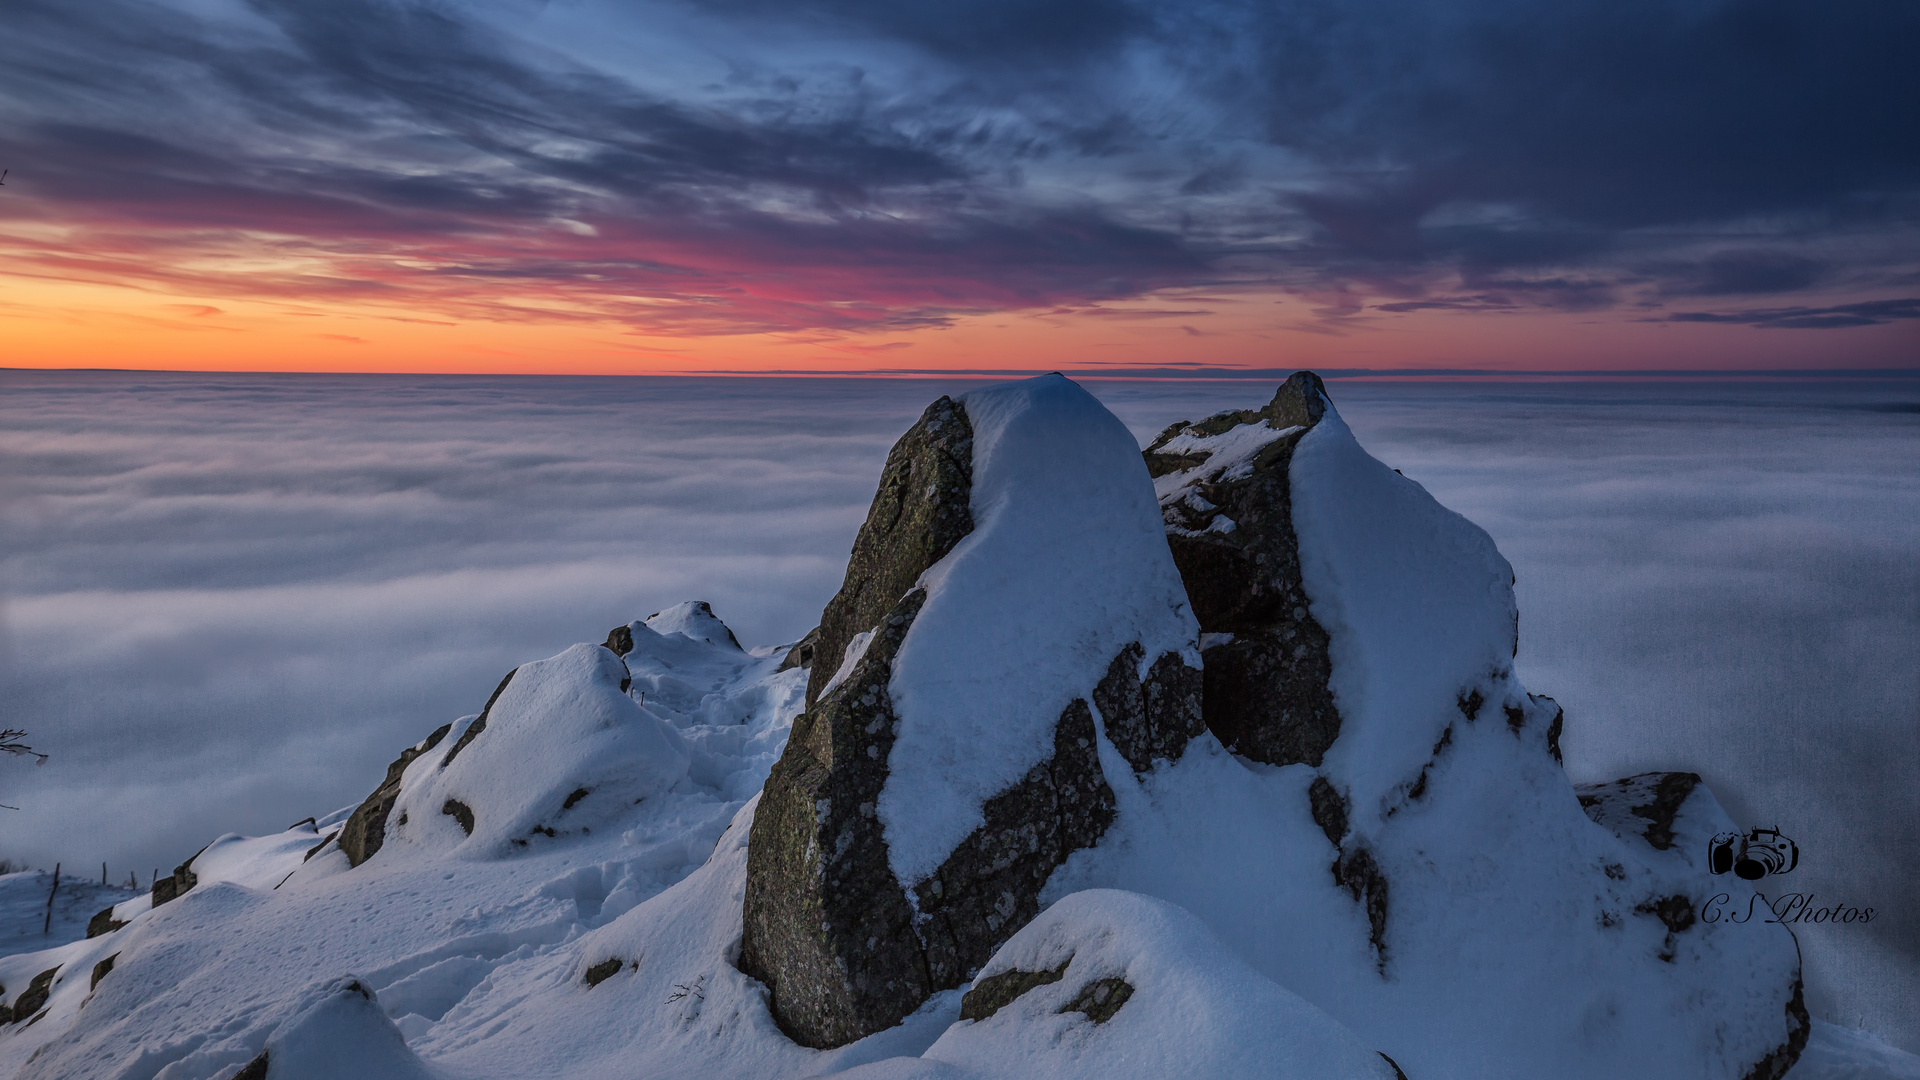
point(559, 726)
point(696, 620)
point(1066, 565)
point(1417, 600)
point(340, 1034)
point(1139, 987)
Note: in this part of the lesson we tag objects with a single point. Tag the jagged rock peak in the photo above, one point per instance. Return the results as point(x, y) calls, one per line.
point(920, 511)
point(1226, 498)
point(1009, 580)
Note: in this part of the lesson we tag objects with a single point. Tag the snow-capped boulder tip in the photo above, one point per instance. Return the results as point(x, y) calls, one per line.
point(1009, 600)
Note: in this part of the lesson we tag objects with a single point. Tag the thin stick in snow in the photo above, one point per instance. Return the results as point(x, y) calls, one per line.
point(55, 891)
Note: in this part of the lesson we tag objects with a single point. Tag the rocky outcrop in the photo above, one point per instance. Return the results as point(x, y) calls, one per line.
point(1353, 626)
point(827, 926)
point(366, 828)
point(172, 886)
point(800, 653)
point(33, 998)
point(844, 945)
point(103, 922)
point(1642, 806)
point(1224, 493)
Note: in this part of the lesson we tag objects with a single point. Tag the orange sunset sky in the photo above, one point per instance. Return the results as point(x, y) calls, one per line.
point(598, 187)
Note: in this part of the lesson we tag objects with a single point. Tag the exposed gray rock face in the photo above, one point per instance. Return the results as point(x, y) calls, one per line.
point(1101, 998)
point(801, 654)
point(996, 992)
point(602, 971)
point(620, 640)
point(1230, 525)
point(33, 997)
point(103, 922)
point(921, 509)
point(1643, 806)
point(1153, 719)
point(828, 927)
point(171, 887)
point(366, 828)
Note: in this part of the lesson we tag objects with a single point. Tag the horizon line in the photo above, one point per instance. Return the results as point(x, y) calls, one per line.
point(1167, 373)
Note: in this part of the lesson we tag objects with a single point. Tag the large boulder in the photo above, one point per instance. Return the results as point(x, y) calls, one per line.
point(1463, 914)
point(1011, 626)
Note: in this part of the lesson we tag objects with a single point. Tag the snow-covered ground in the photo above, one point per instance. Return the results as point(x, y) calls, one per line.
point(23, 909)
point(475, 960)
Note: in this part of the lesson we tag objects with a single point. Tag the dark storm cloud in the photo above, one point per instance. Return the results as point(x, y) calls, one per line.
point(1837, 317)
point(944, 157)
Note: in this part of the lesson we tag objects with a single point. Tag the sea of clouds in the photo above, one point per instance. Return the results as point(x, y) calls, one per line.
point(230, 599)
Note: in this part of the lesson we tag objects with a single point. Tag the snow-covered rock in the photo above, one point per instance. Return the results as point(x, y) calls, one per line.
point(339, 1034)
point(1460, 911)
point(565, 748)
point(1008, 601)
point(693, 620)
point(453, 942)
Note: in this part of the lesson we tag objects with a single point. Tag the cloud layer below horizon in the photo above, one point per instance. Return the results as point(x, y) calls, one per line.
point(229, 600)
point(846, 169)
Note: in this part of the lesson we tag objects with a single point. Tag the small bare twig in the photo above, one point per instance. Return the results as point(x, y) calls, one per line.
point(10, 743)
point(698, 991)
